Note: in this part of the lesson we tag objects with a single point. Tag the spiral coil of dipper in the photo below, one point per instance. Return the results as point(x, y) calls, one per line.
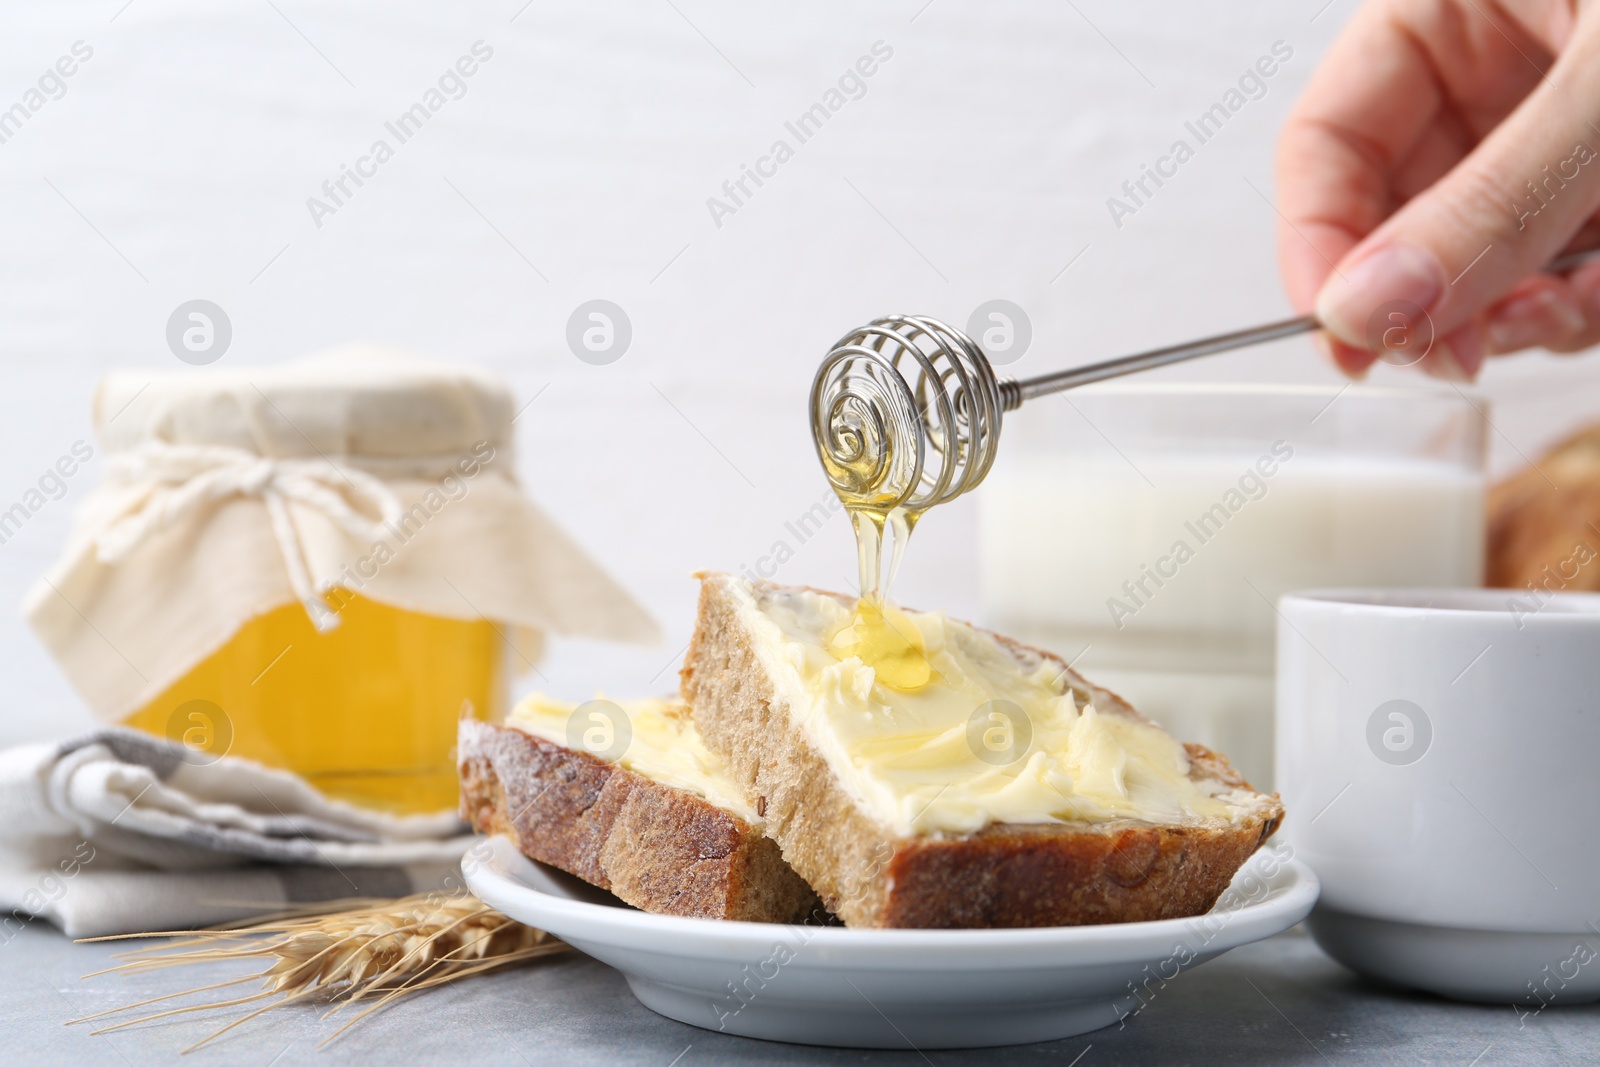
point(906, 413)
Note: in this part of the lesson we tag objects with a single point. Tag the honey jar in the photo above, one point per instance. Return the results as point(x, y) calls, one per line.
point(318, 566)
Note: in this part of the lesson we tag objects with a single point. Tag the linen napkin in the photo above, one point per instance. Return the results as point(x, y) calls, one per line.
point(120, 832)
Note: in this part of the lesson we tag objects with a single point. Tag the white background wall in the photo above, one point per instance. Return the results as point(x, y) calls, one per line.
point(178, 163)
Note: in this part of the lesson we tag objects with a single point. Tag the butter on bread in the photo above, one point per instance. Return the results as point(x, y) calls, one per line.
point(662, 828)
point(881, 802)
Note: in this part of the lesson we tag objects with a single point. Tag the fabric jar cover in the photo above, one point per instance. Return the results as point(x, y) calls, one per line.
point(230, 492)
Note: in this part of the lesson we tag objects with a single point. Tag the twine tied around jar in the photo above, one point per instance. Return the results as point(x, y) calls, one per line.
point(186, 477)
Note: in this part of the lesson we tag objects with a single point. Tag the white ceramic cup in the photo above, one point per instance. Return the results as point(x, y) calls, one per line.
point(1438, 753)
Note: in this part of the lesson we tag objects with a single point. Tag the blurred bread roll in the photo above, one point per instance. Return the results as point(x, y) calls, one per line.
point(1544, 533)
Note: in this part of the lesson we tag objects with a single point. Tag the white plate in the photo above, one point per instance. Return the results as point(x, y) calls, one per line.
point(890, 988)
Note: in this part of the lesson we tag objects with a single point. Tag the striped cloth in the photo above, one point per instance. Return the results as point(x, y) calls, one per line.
point(120, 832)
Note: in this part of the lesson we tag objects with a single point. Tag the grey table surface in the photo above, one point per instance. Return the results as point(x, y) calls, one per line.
point(1280, 1001)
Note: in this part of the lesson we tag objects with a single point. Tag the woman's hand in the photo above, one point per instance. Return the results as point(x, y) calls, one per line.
point(1444, 151)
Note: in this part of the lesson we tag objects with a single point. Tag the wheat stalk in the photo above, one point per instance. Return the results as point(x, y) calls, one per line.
point(384, 949)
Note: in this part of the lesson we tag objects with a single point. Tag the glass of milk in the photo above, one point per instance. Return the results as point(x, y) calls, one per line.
point(1145, 532)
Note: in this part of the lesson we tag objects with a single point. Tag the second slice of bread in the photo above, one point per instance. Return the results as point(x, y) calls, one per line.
point(1033, 874)
point(657, 847)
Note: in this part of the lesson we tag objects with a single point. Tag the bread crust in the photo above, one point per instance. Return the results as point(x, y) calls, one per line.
point(657, 847)
point(1057, 874)
point(1543, 520)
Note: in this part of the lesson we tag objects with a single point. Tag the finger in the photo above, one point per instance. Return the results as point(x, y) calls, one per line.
point(1368, 103)
point(1456, 357)
point(1503, 212)
point(1352, 361)
point(1373, 126)
point(1543, 311)
point(1585, 286)
point(1445, 142)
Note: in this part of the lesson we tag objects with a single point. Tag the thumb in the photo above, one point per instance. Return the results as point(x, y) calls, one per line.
point(1498, 216)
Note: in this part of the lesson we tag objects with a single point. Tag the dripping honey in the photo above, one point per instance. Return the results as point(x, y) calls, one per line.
point(886, 640)
point(881, 635)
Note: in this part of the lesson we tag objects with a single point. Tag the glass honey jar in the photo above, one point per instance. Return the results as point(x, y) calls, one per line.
point(319, 566)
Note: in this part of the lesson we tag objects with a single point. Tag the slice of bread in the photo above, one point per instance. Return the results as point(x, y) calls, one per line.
point(662, 846)
point(1541, 537)
point(1099, 859)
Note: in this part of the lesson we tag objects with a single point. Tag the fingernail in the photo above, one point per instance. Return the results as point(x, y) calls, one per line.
point(1541, 318)
point(1392, 273)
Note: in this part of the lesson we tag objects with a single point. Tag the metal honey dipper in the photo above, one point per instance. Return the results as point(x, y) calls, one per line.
point(906, 414)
